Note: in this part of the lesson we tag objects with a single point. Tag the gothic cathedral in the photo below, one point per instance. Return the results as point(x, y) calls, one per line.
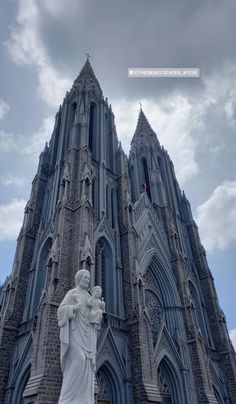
point(164, 337)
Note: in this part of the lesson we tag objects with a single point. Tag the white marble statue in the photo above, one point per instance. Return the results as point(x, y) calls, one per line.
point(79, 318)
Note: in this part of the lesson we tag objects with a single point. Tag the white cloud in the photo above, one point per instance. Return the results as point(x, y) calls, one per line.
point(11, 217)
point(4, 109)
point(31, 145)
point(26, 48)
point(52, 85)
point(13, 180)
point(216, 217)
point(60, 8)
point(6, 141)
point(36, 142)
point(232, 335)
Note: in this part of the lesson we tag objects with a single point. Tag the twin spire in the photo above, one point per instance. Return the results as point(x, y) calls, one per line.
point(143, 129)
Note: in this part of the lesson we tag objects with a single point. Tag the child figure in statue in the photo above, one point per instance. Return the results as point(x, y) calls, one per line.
point(97, 306)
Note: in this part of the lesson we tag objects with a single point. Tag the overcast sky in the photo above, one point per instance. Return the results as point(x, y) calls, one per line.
point(43, 45)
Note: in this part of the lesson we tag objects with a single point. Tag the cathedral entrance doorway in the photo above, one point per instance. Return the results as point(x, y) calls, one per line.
point(18, 396)
point(108, 387)
point(168, 383)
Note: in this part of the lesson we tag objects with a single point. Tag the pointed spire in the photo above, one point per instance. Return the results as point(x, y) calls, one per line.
point(46, 149)
point(143, 129)
point(87, 76)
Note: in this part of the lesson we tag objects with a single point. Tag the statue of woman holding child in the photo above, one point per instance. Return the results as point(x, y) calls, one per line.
point(79, 318)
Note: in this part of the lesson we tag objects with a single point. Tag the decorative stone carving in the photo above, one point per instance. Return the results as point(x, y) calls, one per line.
point(155, 312)
point(54, 254)
point(163, 383)
point(104, 390)
point(79, 318)
point(86, 250)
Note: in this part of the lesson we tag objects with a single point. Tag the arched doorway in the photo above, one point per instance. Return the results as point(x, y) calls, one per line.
point(108, 386)
point(168, 383)
point(18, 396)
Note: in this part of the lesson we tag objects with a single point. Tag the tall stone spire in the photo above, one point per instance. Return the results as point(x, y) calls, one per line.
point(87, 76)
point(143, 131)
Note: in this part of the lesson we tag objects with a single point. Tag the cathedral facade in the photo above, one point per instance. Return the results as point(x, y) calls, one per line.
point(164, 337)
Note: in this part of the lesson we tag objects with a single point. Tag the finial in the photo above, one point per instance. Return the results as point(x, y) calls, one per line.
point(140, 105)
point(88, 55)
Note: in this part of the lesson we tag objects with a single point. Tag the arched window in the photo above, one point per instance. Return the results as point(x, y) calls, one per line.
point(93, 129)
point(45, 212)
point(113, 208)
point(107, 202)
point(87, 185)
point(40, 273)
point(104, 272)
point(95, 199)
point(20, 387)
point(109, 142)
point(198, 308)
point(163, 176)
point(70, 122)
point(108, 386)
point(168, 383)
point(133, 193)
point(146, 177)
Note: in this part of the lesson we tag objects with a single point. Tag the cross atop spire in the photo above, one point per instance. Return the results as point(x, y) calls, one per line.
point(88, 55)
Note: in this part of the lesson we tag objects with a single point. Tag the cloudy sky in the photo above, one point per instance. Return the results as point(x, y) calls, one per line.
point(43, 46)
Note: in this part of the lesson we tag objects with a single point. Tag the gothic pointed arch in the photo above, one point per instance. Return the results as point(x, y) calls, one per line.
point(104, 271)
point(145, 177)
point(109, 391)
point(163, 278)
point(93, 124)
point(169, 382)
point(95, 197)
point(40, 272)
point(218, 385)
point(198, 307)
point(132, 181)
point(71, 117)
point(113, 207)
point(109, 142)
point(108, 202)
point(161, 300)
point(20, 386)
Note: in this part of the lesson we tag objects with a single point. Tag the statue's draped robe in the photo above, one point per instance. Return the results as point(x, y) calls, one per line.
point(78, 345)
